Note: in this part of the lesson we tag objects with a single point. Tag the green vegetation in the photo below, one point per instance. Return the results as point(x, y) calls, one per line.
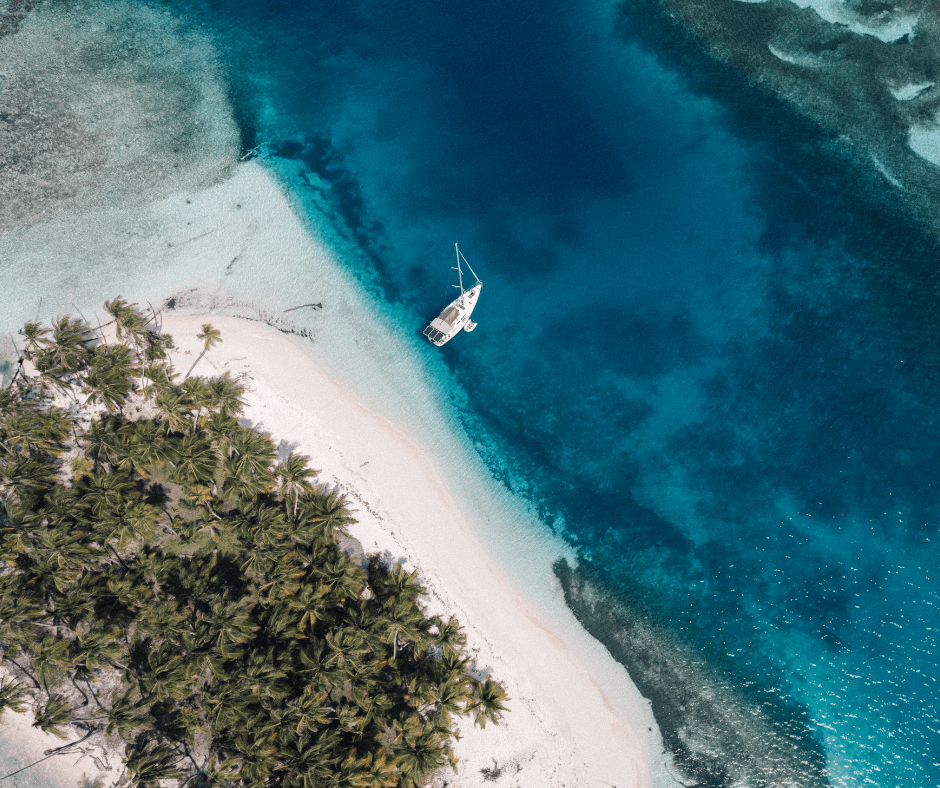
point(166, 580)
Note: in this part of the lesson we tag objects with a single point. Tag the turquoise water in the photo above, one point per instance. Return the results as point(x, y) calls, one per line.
point(706, 348)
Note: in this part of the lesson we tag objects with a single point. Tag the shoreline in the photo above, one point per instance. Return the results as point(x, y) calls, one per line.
point(562, 729)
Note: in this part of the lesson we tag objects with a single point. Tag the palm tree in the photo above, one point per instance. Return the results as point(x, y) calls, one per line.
point(222, 431)
point(217, 773)
point(416, 760)
point(403, 584)
point(311, 710)
point(66, 353)
point(311, 605)
point(35, 431)
point(158, 370)
point(108, 378)
point(130, 323)
point(13, 696)
point(195, 461)
point(138, 521)
point(255, 454)
point(54, 713)
point(196, 391)
point(346, 647)
point(49, 657)
point(211, 336)
point(450, 696)
point(121, 312)
point(488, 702)
point(129, 714)
point(22, 481)
point(382, 770)
point(293, 473)
point(173, 410)
point(166, 675)
point(233, 622)
point(328, 510)
point(150, 766)
point(149, 448)
point(341, 577)
point(402, 619)
point(104, 492)
point(92, 649)
point(35, 335)
point(66, 550)
point(103, 440)
point(450, 637)
point(225, 396)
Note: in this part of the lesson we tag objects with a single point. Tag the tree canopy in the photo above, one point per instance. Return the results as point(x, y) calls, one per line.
point(167, 581)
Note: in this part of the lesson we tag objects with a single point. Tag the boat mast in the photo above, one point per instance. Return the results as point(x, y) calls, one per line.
point(460, 273)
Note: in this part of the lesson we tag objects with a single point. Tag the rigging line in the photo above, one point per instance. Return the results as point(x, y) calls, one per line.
point(468, 266)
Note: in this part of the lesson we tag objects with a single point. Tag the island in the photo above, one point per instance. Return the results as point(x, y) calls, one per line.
point(178, 589)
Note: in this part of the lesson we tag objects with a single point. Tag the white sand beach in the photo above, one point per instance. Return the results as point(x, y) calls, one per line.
point(562, 729)
point(28, 748)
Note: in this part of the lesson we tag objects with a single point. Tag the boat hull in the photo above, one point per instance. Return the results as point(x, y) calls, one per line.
point(453, 318)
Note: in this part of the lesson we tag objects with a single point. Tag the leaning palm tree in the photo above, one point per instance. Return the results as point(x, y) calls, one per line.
point(211, 336)
point(128, 320)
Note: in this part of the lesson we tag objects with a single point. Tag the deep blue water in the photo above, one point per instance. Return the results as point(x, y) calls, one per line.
point(707, 343)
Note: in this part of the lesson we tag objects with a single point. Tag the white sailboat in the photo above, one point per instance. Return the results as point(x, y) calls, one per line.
point(456, 314)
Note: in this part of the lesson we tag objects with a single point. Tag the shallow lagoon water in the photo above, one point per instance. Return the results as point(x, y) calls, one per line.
point(704, 355)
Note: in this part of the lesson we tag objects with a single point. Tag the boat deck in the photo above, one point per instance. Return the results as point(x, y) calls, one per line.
point(449, 315)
